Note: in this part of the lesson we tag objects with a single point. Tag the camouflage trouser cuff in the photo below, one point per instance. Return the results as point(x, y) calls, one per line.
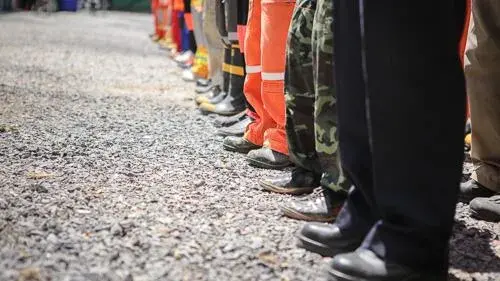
point(335, 183)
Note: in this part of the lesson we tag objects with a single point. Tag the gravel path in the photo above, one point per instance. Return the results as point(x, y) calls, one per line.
point(107, 171)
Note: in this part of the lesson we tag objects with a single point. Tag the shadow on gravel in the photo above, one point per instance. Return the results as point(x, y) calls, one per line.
point(471, 250)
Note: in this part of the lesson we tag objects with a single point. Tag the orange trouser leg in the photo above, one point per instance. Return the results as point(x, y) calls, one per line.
point(276, 17)
point(154, 12)
point(253, 82)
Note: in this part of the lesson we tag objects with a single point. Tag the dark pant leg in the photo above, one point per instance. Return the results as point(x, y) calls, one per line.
point(191, 41)
point(415, 98)
point(299, 88)
point(358, 213)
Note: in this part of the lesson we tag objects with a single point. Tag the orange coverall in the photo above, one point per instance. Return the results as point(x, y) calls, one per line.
point(265, 45)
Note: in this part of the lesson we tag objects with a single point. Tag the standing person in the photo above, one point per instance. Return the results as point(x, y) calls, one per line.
point(233, 100)
point(482, 70)
point(215, 50)
point(265, 44)
point(396, 223)
point(311, 117)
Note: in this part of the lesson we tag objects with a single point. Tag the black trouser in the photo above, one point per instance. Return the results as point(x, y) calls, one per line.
point(401, 111)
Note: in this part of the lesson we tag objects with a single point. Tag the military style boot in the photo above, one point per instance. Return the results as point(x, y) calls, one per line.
point(321, 206)
point(238, 144)
point(267, 158)
point(300, 181)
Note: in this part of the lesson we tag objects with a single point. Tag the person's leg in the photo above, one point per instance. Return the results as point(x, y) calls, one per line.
point(252, 86)
point(403, 74)
point(325, 107)
point(299, 89)
point(299, 99)
point(189, 25)
point(482, 70)
point(214, 43)
point(358, 212)
point(276, 17)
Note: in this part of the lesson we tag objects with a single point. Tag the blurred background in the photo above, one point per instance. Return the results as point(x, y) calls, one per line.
point(52, 6)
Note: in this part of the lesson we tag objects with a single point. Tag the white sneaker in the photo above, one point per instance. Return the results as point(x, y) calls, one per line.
point(184, 57)
point(187, 75)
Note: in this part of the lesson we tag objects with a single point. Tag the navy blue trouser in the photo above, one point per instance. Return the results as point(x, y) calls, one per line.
point(401, 106)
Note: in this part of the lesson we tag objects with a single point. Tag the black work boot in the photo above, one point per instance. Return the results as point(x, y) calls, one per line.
point(225, 121)
point(487, 209)
point(237, 129)
point(267, 158)
point(238, 144)
point(472, 189)
point(300, 181)
point(327, 239)
point(365, 265)
point(322, 206)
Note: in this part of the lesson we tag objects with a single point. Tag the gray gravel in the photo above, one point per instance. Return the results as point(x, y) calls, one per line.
point(108, 172)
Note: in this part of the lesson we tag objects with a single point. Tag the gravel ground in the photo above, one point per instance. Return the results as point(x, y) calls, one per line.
point(108, 172)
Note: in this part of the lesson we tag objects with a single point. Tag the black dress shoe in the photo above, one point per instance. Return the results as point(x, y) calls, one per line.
point(472, 189)
point(327, 239)
point(322, 206)
point(300, 181)
point(237, 129)
point(267, 158)
point(238, 144)
point(226, 121)
point(364, 265)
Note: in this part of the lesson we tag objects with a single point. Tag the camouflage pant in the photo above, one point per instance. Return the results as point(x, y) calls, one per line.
point(310, 93)
point(299, 88)
point(325, 107)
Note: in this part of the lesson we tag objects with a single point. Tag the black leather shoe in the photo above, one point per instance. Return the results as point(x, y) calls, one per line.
point(322, 206)
point(237, 129)
point(472, 189)
point(231, 105)
point(327, 239)
point(300, 181)
point(267, 158)
point(238, 144)
point(225, 121)
point(364, 265)
point(487, 209)
point(214, 96)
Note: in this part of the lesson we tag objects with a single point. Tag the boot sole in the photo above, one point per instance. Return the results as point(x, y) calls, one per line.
point(334, 275)
point(291, 213)
point(315, 246)
point(236, 149)
point(206, 112)
point(289, 190)
point(264, 165)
